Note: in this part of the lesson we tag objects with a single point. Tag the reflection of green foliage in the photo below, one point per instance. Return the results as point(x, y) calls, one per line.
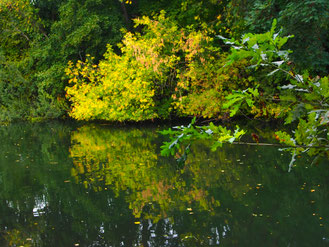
point(243, 193)
point(121, 160)
point(224, 189)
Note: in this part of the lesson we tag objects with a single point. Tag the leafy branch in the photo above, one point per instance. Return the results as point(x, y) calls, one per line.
point(184, 135)
point(304, 100)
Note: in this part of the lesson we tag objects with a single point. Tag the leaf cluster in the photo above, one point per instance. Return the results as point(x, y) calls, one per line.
point(184, 135)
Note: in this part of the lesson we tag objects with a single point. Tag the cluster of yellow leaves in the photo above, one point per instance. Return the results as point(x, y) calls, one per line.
point(209, 82)
point(269, 110)
point(117, 89)
point(21, 15)
point(165, 68)
point(188, 63)
point(127, 86)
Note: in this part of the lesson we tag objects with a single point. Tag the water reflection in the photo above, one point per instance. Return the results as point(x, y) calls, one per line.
point(98, 185)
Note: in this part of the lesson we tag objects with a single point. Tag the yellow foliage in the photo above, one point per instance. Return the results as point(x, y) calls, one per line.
point(118, 89)
point(166, 68)
point(202, 88)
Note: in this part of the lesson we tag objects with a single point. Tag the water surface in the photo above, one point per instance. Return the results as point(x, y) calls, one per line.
point(63, 184)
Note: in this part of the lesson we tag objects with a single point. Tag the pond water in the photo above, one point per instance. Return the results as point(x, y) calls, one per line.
point(64, 184)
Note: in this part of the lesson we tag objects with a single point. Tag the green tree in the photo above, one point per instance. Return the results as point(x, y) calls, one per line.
point(302, 100)
point(19, 27)
point(307, 20)
point(38, 39)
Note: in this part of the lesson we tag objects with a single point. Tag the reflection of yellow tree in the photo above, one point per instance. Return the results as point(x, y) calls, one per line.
point(17, 238)
point(116, 158)
point(126, 160)
point(26, 235)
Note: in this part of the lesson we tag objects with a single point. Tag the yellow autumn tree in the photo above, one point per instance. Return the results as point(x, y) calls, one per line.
point(165, 68)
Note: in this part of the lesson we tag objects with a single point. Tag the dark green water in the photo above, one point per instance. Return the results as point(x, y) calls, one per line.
point(96, 185)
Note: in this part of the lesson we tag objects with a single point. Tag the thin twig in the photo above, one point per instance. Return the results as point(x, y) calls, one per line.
point(279, 145)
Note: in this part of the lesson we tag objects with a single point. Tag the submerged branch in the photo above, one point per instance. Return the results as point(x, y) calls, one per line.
point(278, 145)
